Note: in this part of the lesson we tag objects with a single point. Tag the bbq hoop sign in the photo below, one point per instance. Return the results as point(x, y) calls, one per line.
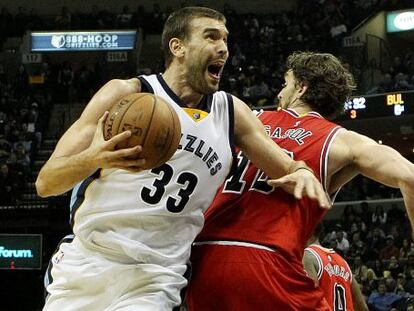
point(83, 41)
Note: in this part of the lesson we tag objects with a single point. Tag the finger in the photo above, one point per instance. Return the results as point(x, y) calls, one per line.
point(322, 197)
point(99, 127)
point(128, 152)
point(103, 118)
point(310, 189)
point(299, 187)
point(118, 138)
point(278, 182)
point(127, 163)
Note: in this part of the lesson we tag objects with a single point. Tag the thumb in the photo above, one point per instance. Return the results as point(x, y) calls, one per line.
point(100, 129)
point(278, 182)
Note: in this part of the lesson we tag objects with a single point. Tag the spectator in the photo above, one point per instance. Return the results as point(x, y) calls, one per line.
point(379, 217)
point(378, 267)
point(375, 242)
point(342, 244)
point(394, 267)
point(123, 20)
point(383, 300)
point(409, 266)
point(7, 190)
point(64, 20)
point(389, 250)
point(358, 247)
point(360, 270)
point(405, 248)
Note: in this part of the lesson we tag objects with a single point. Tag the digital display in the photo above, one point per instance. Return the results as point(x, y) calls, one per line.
point(20, 251)
point(399, 21)
point(82, 41)
point(380, 105)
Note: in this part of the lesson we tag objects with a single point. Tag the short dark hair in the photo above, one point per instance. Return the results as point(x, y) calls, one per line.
point(176, 26)
point(329, 82)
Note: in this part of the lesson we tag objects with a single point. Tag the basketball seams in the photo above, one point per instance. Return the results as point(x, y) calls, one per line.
point(155, 129)
point(123, 114)
point(149, 127)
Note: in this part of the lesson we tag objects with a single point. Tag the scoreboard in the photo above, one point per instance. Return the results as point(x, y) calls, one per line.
point(379, 105)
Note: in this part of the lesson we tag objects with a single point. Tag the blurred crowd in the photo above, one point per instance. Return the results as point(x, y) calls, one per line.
point(377, 244)
point(259, 43)
point(23, 109)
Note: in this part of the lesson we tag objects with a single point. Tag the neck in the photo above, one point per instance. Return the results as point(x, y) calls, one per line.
point(300, 107)
point(176, 79)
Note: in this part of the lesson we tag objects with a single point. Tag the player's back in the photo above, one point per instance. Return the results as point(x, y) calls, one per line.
point(335, 277)
point(246, 209)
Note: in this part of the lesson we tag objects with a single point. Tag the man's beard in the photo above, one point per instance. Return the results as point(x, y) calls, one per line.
point(197, 80)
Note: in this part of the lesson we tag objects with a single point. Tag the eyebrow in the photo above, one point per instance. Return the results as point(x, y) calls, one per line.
point(211, 29)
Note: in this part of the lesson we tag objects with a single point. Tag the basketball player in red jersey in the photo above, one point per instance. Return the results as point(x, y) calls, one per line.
point(332, 274)
point(249, 253)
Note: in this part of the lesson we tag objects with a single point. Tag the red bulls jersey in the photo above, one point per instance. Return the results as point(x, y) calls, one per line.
point(267, 216)
point(335, 277)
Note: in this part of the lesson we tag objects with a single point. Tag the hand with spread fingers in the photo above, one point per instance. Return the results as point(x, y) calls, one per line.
point(103, 153)
point(302, 182)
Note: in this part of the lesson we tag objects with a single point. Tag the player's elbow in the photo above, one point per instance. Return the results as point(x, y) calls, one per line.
point(42, 188)
point(407, 180)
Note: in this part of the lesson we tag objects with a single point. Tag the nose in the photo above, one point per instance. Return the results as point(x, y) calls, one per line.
point(223, 49)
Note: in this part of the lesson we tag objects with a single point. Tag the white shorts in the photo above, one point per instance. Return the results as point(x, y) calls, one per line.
point(82, 279)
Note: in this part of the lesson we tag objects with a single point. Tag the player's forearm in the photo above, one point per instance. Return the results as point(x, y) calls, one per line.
point(267, 156)
point(61, 174)
point(407, 189)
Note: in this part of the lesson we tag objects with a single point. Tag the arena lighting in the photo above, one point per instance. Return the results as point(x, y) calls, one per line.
point(65, 41)
point(399, 21)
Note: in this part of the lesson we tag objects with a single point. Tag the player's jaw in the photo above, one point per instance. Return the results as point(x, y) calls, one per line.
point(205, 79)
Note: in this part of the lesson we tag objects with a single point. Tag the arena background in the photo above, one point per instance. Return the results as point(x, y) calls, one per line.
point(43, 92)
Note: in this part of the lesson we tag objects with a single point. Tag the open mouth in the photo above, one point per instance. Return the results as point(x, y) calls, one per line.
point(215, 70)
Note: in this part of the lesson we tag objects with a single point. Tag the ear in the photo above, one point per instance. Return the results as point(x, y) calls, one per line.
point(302, 90)
point(176, 47)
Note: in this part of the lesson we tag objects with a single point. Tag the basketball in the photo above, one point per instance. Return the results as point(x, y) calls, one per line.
point(153, 123)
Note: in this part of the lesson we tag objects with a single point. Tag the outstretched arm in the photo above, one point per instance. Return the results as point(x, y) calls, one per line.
point(82, 149)
point(358, 299)
point(251, 137)
point(357, 154)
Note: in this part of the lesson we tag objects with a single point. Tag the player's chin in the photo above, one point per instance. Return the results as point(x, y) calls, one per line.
point(212, 84)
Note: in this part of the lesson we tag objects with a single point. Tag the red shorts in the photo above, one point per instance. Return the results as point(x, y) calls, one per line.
point(239, 278)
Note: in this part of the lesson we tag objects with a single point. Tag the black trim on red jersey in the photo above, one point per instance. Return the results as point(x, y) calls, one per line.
point(205, 103)
point(231, 134)
point(145, 86)
point(80, 194)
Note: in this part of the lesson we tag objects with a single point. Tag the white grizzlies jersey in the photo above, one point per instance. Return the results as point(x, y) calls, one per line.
point(154, 216)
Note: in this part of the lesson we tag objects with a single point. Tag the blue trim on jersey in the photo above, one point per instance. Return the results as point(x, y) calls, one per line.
point(205, 103)
point(187, 275)
point(80, 194)
point(145, 86)
point(230, 105)
point(48, 279)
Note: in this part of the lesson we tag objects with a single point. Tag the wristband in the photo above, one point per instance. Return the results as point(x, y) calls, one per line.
point(299, 165)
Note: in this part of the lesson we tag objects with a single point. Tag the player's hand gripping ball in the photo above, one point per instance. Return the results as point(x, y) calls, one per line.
point(153, 123)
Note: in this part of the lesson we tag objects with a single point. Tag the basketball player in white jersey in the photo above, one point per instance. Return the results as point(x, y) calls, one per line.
point(133, 228)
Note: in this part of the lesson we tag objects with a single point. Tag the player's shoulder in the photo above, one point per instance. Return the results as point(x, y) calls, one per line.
point(121, 86)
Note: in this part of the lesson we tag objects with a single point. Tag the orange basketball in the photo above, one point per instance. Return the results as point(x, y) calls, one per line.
point(154, 125)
